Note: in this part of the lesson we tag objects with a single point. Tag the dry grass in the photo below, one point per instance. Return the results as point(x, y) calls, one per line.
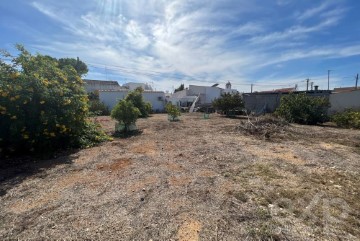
point(191, 180)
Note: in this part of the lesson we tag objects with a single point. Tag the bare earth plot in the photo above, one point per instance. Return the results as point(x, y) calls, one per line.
point(191, 180)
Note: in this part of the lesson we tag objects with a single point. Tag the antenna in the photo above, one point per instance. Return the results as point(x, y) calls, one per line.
point(307, 84)
point(329, 78)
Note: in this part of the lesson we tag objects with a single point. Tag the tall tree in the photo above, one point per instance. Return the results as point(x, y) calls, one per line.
point(80, 67)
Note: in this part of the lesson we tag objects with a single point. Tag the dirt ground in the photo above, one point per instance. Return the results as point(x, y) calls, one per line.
point(197, 179)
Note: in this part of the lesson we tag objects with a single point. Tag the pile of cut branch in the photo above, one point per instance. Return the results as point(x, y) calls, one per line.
point(263, 126)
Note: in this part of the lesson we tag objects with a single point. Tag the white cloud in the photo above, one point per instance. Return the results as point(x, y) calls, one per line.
point(283, 2)
point(161, 40)
point(312, 12)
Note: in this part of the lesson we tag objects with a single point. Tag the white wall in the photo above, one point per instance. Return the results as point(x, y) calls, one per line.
point(212, 93)
point(156, 98)
point(196, 90)
point(230, 91)
point(345, 100)
point(207, 93)
point(110, 98)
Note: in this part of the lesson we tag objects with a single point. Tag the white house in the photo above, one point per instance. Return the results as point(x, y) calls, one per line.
point(111, 97)
point(206, 94)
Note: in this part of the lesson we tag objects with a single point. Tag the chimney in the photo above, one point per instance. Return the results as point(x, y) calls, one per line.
point(316, 87)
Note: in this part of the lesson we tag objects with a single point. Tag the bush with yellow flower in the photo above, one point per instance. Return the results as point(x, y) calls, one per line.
point(43, 105)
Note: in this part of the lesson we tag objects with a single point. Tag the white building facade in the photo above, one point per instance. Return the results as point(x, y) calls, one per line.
point(206, 94)
point(111, 97)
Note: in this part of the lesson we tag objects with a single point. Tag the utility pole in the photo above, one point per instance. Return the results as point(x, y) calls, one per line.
point(307, 84)
point(252, 87)
point(356, 82)
point(329, 79)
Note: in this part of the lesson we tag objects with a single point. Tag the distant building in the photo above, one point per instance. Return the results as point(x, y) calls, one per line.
point(93, 85)
point(110, 92)
point(133, 85)
point(345, 89)
point(204, 95)
point(111, 97)
point(228, 89)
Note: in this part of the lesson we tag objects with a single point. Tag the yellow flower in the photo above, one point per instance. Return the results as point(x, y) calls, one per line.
point(25, 102)
point(25, 136)
point(12, 99)
point(4, 94)
point(14, 75)
point(42, 102)
point(42, 112)
point(3, 112)
point(17, 97)
point(14, 117)
point(52, 134)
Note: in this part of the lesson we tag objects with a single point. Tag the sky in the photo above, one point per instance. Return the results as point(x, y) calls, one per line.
point(269, 44)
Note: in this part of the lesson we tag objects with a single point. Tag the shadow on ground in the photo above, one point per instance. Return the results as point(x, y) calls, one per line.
point(14, 171)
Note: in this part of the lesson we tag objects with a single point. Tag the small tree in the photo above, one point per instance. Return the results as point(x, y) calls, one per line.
point(303, 109)
point(125, 113)
point(137, 99)
point(228, 103)
point(173, 111)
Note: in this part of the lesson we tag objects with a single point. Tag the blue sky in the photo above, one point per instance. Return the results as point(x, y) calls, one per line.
point(271, 44)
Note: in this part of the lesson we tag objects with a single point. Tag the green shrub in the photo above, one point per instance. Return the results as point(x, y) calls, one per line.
point(98, 108)
point(42, 107)
point(229, 103)
point(148, 108)
point(137, 99)
point(125, 113)
point(303, 109)
point(347, 119)
point(173, 111)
